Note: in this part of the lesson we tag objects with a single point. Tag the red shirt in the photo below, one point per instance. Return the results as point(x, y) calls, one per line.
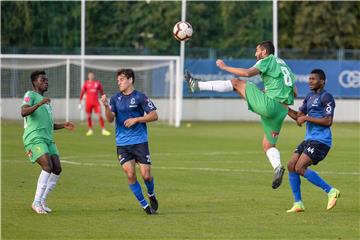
point(91, 88)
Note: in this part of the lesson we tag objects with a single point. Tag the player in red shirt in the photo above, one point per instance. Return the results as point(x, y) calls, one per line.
point(91, 88)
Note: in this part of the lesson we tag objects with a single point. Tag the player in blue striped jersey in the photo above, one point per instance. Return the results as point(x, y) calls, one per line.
point(127, 108)
point(317, 111)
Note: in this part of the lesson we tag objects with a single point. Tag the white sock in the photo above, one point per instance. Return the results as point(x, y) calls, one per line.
point(50, 185)
point(217, 86)
point(41, 185)
point(274, 157)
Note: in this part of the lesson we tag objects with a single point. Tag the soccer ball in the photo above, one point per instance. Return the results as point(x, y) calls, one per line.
point(182, 31)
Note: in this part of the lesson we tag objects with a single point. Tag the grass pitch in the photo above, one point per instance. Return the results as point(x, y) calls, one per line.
point(212, 181)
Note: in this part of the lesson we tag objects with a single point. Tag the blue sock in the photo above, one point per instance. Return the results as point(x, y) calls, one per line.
point(150, 186)
point(136, 189)
point(315, 179)
point(294, 179)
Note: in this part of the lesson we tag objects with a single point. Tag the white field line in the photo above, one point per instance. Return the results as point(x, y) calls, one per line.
point(224, 153)
point(208, 169)
point(205, 169)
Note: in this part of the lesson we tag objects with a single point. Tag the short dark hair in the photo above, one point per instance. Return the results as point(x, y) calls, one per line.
point(35, 74)
point(268, 46)
point(320, 73)
point(129, 73)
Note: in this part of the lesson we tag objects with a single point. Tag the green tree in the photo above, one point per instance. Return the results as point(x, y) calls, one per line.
point(319, 25)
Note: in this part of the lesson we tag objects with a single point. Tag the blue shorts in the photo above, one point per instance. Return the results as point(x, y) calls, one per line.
point(316, 150)
point(138, 152)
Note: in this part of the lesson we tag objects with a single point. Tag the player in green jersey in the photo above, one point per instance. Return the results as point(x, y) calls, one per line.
point(38, 138)
point(270, 104)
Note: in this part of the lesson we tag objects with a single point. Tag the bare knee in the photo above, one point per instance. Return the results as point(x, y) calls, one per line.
point(131, 175)
point(291, 166)
point(147, 177)
point(300, 169)
point(266, 146)
point(237, 83)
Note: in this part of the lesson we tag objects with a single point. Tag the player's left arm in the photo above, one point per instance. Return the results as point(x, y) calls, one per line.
point(149, 117)
point(151, 114)
point(68, 125)
point(242, 72)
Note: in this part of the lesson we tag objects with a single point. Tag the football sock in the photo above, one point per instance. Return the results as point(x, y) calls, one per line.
point(274, 157)
point(89, 122)
point(41, 185)
point(51, 183)
point(136, 189)
point(294, 179)
point(150, 186)
point(101, 121)
point(315, 179)
point(217, 86)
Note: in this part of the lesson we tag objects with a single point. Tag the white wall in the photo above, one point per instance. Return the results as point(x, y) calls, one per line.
point(193, 109)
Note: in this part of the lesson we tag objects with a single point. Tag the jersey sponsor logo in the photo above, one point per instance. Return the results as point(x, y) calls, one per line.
point(150, 104)
point(349, 79)
point(27, 99)
point(310, 150)
point(274, 134)
point(328, 108)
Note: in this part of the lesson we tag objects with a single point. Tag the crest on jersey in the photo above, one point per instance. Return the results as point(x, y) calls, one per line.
point(38, 149)
point(315, 102)
point(132, 101)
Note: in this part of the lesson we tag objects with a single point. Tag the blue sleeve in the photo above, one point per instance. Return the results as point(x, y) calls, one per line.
point(147, 104)
point(303, 107)
point(328, 102)
point(113, 105)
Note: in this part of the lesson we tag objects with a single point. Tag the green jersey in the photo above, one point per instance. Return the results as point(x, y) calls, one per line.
point(38, 126)
point(278, 79)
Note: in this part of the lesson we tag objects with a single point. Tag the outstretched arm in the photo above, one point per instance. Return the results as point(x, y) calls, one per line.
point(242, 72)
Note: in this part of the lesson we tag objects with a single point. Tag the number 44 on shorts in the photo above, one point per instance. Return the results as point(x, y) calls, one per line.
point(311, 150)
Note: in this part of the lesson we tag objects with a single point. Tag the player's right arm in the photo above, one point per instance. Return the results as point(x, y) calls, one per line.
point(83, 91)
point(110, 115)
point(27, 109)
point(242, 72)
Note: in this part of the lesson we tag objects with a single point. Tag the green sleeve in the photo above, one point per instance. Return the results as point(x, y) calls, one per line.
point(263, 64)
point(28, 99)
